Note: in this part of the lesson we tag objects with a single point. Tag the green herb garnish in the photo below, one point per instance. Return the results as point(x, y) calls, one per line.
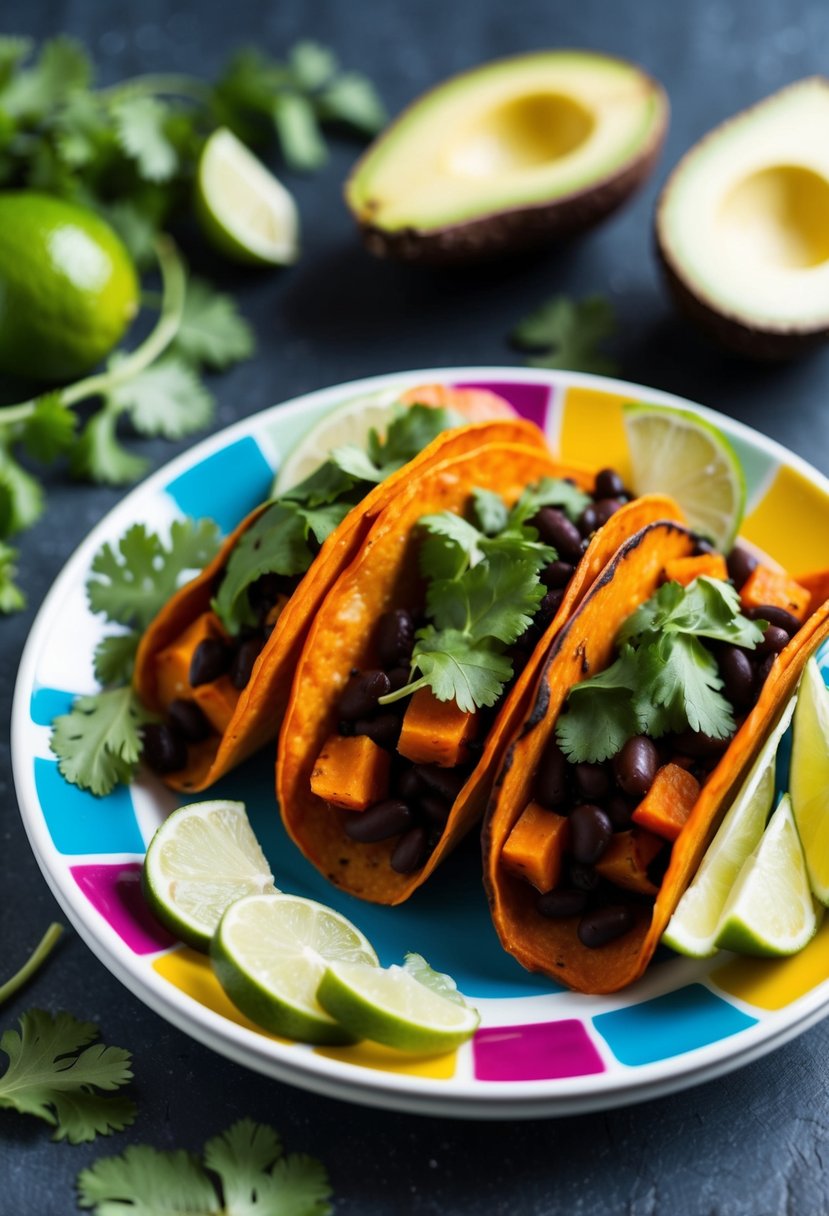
point(483, 592)
point(664, 679)
point(568, 334)
point(244, 1171)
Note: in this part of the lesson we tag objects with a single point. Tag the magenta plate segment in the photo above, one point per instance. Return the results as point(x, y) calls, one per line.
point(540, 1051)
point(532, 401)
point(115, 891)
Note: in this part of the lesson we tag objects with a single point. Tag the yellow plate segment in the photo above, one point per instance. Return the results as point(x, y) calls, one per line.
point(791, 522)
point(384, 1059)
point(192, 974)
point(775, 983)
point(591, 430)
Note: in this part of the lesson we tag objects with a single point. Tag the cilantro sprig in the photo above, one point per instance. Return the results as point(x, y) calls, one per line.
point(665, 678)
point(565, 333)
point(243, 1171)
point(483, 591)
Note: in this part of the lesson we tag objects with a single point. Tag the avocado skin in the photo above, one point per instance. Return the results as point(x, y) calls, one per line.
point(519, 229)
point(751, 342)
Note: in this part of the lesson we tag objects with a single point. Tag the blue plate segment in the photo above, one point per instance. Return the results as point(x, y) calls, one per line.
point(669, 1025)
point(226, 485)
point(78, 822)
point(48, 703)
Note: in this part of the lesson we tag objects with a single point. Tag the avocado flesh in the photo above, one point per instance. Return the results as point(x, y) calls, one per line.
point(743, 223)
point(520, 133)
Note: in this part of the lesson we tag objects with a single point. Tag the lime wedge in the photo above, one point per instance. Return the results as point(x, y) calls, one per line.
point(809, 776)
point(270, 952)
point(675, 452)
point(202, 858)
point(243, 210)
point(692, 930)
point(391, 1006)
point(771, 911)
point(348, 423)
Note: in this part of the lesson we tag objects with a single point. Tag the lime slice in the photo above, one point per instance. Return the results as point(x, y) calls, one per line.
point(202, 858)
point(692, 930)
point(809, 776)
point(270, 952)
point(390, 1006)
point(675, 452)
point(348, 423)
point(243, 210)
point(771, 911)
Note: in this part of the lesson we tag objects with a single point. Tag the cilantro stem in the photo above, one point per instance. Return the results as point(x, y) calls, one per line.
point(174, 280)
point(175, 84)
point(400, 693)
point(36, 960)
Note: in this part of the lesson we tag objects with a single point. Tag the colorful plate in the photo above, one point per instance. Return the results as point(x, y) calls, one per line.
point(540, 1049)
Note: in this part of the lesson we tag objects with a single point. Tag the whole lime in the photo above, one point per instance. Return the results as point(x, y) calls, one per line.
point(68, 289)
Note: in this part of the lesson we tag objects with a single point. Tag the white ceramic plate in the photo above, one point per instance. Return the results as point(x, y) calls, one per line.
point(541, 1050)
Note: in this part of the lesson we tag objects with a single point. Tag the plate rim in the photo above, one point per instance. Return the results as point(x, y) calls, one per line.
point(296, 1063)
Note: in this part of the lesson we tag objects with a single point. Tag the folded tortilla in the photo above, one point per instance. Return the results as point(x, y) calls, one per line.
point(383, 576)
point(258, 712)
point(586, 645)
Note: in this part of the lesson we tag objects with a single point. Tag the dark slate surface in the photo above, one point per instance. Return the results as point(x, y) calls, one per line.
point(751, 1144)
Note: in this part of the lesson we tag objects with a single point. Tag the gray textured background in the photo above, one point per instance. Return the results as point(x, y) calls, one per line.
point(750, 1145)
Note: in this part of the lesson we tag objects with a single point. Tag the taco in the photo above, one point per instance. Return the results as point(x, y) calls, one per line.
point(648, 710)
point(422, 656)
point(216, 663)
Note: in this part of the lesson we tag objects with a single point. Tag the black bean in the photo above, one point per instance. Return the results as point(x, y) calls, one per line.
point(584, 878)
point(447, 783)
point(606, 507)
point(380, 822)
point(188, 720)
point(557, 530)
point(435, 809)
point(774, 639)
point(563, 901)
point(395, 637)
point(702, 546)
point(740, 563)
point(588, 522)
point(263, 594)
point(695, 743)
point(551, 776)
point(556, 575)
point(242, 666)
point(384, 729)
point(590, 833)
point(164, 748)
point(761, 673)
point(635, 765)
point(775, 616)
point(398, 678)
point(359, 697)
point(548, 607)
point(619, 812)
point(211, 659)
point(609, 484)
point(592, 781)
point(737, 674)
point(411, 851)
point(605, 925)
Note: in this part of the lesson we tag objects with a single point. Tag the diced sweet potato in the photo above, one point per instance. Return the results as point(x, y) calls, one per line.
point(665, 808)
point(475, 404)
point(534, 849)
point(765, 586)
point(351, 772)
point(685, 569)
point(435, 732)
point(218, 699)
point(276, 610)
point(626, 859)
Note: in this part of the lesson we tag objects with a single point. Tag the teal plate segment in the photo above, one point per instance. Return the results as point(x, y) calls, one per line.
point(225, 486)
point(78, 822)
point(669, 1025)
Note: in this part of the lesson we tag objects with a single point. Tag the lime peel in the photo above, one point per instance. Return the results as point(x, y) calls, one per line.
point(809, 776)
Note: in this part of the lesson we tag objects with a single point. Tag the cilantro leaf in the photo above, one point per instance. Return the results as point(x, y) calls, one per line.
point(140, 125)
point(57, 1072)
point(463, 538)
point(409, 432)
point(50, 428)
point(682, 677)
point(600, 714)
point(253, 1177)
point(438, 981)
point(549, 492)
point(98, 743)
point(212, 333)
point(98, 456)
point(312, 64)
point(12, 598)
point(133, 579)
point(61, 68)
point(115, 657)
point(569, 333)
point(325, 485)
point(298, 131)
point(167, 398)
point(490, 511)
point(353, 99)
point(277, 543)
point(23, 495)
point(357, 464)
point(496, 599)
point(458, 669)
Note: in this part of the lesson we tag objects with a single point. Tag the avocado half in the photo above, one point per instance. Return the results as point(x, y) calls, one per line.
point(512, 155)
point(742, 226)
